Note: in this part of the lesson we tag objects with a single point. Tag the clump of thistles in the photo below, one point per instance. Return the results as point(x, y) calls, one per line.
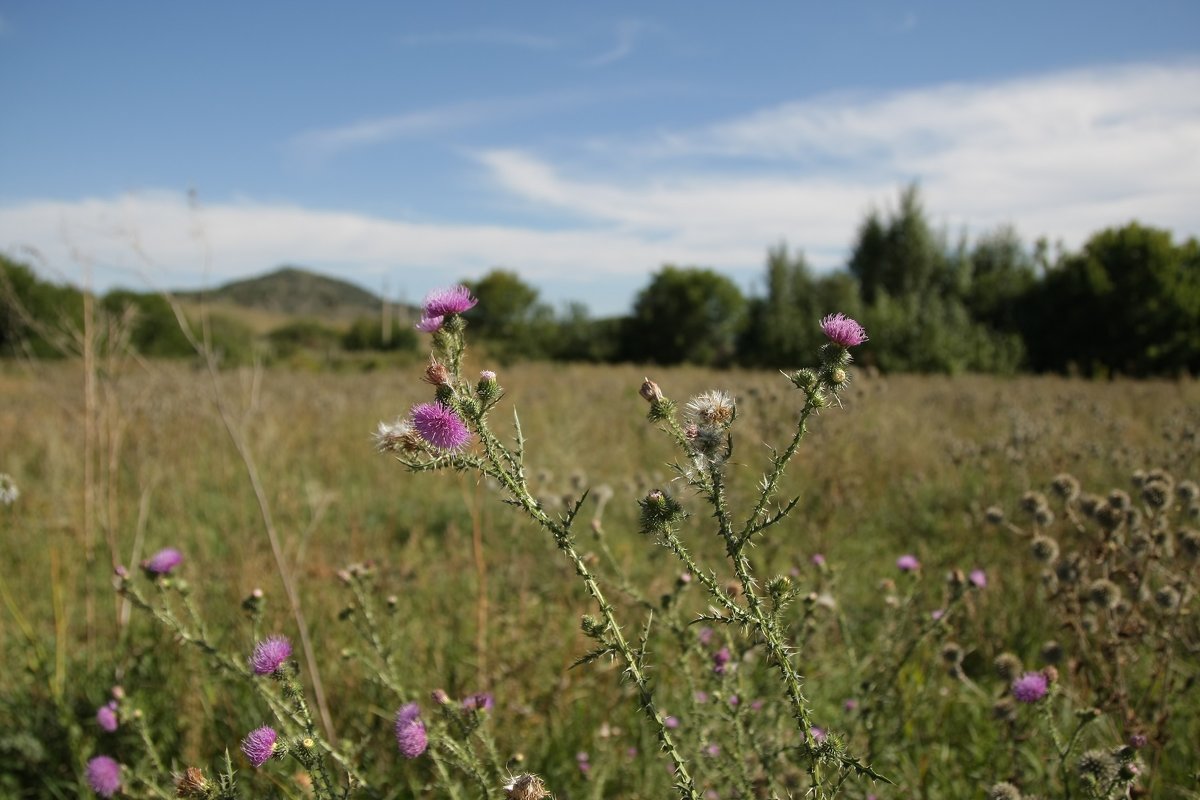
point(259, 745)
point(104, 776)
point(410, 731)
point(440, 426)
point(270, 654)
point(841, 330)
point(441, 303)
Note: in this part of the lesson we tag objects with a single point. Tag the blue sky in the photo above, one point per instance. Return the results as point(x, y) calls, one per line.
point(409, 145)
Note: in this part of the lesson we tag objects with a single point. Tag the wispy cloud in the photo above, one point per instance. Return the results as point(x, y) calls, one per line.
point(627, 35)
point(483, 36)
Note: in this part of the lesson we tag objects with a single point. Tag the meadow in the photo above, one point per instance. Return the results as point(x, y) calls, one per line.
point(466, 595)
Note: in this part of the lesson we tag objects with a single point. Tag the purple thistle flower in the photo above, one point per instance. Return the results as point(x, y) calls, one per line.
point(104, 776)
point(818, 560)
point(721, 660)
point(701, 696)
point(106, 717)
point(269, 655)
point(713, 750)
point(410, 731)
point(842, 330)
point(440, 426)
point(978, 578)
point(937, 614)
point(908, 563)
point(671, 722)
point(850, 705)
point(454, 300)
point(162, 562)
point(818, 734)
point(480, 701)
point(429, 324)
point(259, 745)
point(1030, 687)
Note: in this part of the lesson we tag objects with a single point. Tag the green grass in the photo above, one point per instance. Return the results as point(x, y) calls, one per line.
point(908, 465)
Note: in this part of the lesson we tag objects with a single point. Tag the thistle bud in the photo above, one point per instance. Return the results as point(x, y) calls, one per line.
point(660, 512)
point(650, 392)
point(436, 373)
point(191, 783)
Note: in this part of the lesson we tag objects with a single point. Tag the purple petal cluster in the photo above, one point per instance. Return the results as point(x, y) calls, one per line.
point(438, 425)
point(480, 701)
point(442, 302)
point(106, 717)
point(908, 563)
point(259, 745)
point(410, 731)
point(269, 655)
point(104, 776)
point(1030, 687)
point(162, 562)
point(721, 660)
point(842, 330)
point(978, 578)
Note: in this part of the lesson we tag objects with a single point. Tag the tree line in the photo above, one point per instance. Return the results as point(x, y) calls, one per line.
point(1127, 302)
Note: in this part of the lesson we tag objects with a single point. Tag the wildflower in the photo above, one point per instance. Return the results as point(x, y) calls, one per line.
point(713, 750)
point(104, 776)
point(259, 745)
point(480, 701)
point(671, 722)
point(410, 731)
point(106, 717)
point(162, 562)
point(712, 408)
point(525, 787)
point(584, 762)
point(1030, 687)
point(270, 654)
point(443, 302)
point(191, 783)
point(818, 560)
point(1137, 740)
point(818, 734)
point(842, 330)
point(701, 696)
point(937, 614)
point(908, 563)
point(440, 426)
point(429, 324)
point(850, 705)
point(721, 660)
point(9, 493)
point(978, 578)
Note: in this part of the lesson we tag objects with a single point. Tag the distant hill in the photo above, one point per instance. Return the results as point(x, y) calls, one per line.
point(294, 292)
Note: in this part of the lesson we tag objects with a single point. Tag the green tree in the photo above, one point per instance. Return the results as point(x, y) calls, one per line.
point(36, 317)
point(901, 255)
point(1129, 301)
point(155, 328)
point(686, 314)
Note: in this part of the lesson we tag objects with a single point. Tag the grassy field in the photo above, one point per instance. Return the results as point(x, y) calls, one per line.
point(481, 601)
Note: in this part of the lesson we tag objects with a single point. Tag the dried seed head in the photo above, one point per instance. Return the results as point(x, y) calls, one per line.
point(952, 654)
point(1051, 652)
point(715, 408)
point(1187, 492)
point(1007, 666)
point(1157, 493)
point(191, 783)
point(1044, 516)
point(1068, 569)
point(1090, 503)
point(1119, 500)
point(1104, 593)
point(994, 515)
point(1004, 791)
point(1044, 549)
point(525, 787)
point(1031, 501)
point(1167, 598)
point(650, 391)
point(1189, 543)
point(1065, 486)
point(1004, 709)
point(436, 373)
point(1110, 515)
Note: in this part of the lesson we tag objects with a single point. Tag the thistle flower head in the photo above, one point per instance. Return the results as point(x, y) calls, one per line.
point(106, 717)
point(525, 787)
point(453, 300)
point(908, 563)
point(1044, 548)
point(978, 579)
point(259, 745)
point(396, 437)
point(650, 392)
point(162, 562)
point(410, 731)
point(1030, 687)
point(104, 776)
point(1104, 593)
point(440, 426)
point(270, 654)
point(715, 408)
point(429, 324)
point(479, 701)
point(842, 330)
point(1065, 486)
point(1004, 791)
point(1097, 765)
point(191, 783)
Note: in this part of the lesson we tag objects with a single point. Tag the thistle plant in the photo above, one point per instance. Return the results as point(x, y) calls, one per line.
point(454, 432)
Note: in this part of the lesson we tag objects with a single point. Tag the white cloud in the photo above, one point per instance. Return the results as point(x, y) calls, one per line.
point(628, 31)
